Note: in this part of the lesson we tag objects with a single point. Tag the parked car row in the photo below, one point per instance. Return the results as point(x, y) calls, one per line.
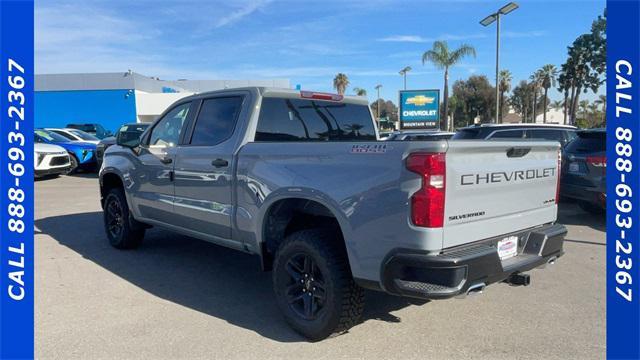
point(66, 150)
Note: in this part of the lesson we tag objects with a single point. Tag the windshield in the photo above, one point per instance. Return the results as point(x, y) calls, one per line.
point(83, 135)
point(87, 128)
point(50, 136)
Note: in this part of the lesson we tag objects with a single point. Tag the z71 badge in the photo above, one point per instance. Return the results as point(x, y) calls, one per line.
point(369, 149)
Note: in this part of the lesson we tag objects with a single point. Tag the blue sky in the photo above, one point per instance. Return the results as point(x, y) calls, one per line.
point(307, 42)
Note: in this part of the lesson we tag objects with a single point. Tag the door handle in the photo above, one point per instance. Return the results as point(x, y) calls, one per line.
point(220, 163)
point(166, 160)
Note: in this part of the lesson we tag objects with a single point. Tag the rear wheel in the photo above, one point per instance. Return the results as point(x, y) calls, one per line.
point(314, 286)
point(122, 230)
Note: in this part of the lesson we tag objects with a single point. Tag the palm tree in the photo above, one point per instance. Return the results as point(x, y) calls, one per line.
point(505, 86)
point(378, 102)
point(536, 79)
point(443, 58)
point(404, 72)
point(594, 108)
point(340, 83)
point(548, 75)
point(360, 91)
point(602, 100)
point(557, 104)
point(584, 106)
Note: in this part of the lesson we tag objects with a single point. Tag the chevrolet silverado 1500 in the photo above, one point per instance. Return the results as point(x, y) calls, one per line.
point(301, 180)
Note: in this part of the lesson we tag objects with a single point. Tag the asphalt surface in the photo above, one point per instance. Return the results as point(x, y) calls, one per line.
point(177, 297)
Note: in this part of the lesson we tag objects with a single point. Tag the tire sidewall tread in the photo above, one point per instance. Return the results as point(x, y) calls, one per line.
point(345, 298)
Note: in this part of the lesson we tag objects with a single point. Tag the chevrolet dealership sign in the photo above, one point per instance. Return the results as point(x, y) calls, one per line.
point(419, 109)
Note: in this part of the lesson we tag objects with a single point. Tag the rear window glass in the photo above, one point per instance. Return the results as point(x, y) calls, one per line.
point(466, 134)
point(547, 134)
point(313, 120)
point(591, 141)
point(508, 134)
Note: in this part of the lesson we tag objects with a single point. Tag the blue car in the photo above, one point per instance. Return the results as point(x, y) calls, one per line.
point(83, 154)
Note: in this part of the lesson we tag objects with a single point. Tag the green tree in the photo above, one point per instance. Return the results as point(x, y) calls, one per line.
point(585, 67)
point(387, 109)
point(444, 58)
point(340, 83)
point(475, 97)
point(505, 78)
point(360, 91)
point(522, 99)
point(548, 74)
point(536, 83)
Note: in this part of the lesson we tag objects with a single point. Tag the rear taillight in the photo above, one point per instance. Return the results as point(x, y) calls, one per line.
point(427, 204)
point(320, 96)
point(558, 174)
point(597, 161)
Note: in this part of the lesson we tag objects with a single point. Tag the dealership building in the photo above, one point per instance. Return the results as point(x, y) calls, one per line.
point(111, 99)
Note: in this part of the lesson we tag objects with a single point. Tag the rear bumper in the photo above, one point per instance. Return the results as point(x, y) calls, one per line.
point(593, 195)
point(455, 270)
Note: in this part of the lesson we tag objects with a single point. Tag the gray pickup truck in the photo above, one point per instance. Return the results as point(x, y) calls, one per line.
point(301, 180)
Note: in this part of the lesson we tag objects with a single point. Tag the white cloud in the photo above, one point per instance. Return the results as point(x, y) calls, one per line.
point(523, 34)
point(457, 37)
point(246, 10)
point(404, 38)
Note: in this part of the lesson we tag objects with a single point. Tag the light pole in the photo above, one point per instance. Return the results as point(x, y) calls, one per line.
point(378, 101)
point(486, 22)
point(404, 72)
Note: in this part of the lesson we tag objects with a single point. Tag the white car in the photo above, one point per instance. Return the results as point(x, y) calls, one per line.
point(50, 159)
point(75, 135)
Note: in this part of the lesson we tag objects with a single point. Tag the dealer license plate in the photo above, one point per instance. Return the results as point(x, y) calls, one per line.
point(508, 247)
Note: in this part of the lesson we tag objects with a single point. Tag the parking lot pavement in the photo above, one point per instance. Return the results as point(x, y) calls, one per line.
point(176, 297)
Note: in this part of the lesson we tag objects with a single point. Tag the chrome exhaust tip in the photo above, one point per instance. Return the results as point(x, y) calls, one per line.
point(476, 289)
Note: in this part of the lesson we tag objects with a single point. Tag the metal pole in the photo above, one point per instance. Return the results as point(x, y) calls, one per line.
point(378, 107)
point(497, 68)
point(405, 80)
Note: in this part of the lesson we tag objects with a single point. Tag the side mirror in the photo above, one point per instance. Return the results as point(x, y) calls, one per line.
point(128, 139)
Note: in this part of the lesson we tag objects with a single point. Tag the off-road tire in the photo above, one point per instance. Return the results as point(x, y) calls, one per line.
point(344, 299)
point(131, 232)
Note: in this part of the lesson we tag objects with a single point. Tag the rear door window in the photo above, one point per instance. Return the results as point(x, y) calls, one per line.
point(313, 120)
point(216, 120)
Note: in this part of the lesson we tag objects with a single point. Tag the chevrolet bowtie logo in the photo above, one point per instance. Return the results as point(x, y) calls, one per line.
point(420, 100)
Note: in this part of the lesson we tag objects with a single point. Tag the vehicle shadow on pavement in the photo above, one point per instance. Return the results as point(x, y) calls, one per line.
point(217, 281)
point(571, 214)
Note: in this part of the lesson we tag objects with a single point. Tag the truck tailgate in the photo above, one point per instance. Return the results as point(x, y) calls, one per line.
point(498, 187)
